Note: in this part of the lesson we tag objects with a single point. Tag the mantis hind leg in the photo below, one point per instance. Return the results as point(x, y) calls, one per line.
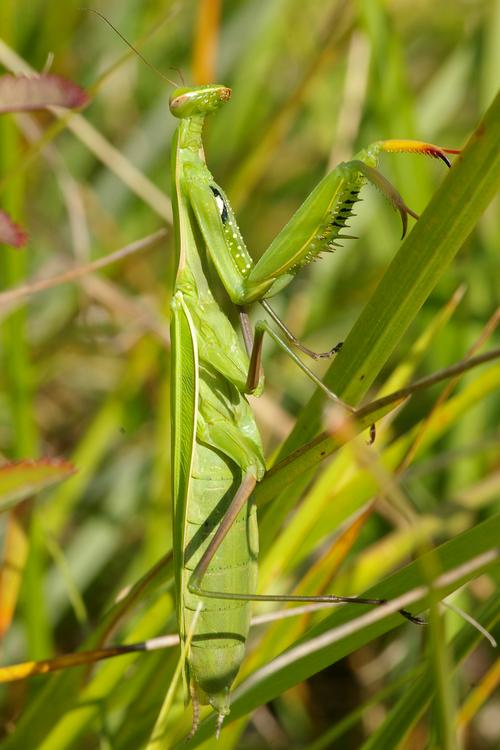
point(241, 497)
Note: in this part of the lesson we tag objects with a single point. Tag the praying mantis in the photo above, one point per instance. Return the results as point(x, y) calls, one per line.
point(217, 454)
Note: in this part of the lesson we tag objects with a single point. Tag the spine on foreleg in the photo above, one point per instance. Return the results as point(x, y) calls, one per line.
point(218, 643)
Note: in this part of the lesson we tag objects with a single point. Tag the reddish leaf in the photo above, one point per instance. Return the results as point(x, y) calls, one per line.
point(23, 93)
point(10, 232)
point(21, 479)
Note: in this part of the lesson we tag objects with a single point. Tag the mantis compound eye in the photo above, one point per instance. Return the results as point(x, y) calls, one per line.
point(221, 204)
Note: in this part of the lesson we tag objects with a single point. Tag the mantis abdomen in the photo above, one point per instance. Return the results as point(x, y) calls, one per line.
point(216, 446)
point(218, 641)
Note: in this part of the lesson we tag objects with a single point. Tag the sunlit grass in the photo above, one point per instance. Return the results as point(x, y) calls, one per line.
point(84, 368)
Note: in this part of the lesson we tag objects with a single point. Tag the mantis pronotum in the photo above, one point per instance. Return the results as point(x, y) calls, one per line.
point(217, 451)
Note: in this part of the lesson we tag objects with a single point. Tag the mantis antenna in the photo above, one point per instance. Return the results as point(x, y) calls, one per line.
point(131, 46)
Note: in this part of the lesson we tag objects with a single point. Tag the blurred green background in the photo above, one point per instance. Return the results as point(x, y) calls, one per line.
point(84, 366)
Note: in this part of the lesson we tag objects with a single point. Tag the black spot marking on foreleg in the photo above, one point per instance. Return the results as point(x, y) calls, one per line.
point(221, 203)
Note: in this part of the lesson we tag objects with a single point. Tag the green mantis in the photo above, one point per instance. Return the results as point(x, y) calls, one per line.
point(216, 448)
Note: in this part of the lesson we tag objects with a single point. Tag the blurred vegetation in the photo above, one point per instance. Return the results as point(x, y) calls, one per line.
point(84, 365)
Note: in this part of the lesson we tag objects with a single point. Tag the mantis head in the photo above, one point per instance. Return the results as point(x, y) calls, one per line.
point(198, 100)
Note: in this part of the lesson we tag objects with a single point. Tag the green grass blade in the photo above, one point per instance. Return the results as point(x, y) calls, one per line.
point(409, 708)
point(22, 479)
